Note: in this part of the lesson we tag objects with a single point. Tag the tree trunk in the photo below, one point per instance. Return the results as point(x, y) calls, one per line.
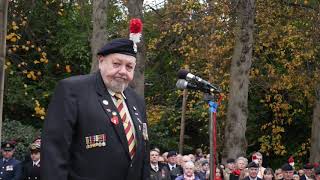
point(99, 34)
point(3, 34)
point(235, 141)
point(135, 11)
point(315, 133)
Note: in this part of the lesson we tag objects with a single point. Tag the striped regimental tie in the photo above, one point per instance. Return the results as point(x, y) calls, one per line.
point(128, 129)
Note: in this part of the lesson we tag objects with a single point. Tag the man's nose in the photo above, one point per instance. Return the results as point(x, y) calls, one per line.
point(123, 69)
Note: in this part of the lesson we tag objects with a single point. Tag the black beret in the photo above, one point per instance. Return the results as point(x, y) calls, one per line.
point(308, 166)
point(231, 160)
point(7, 146)
point(171, 153)
point(286, 167)
point(122, 46)
point(253, 165)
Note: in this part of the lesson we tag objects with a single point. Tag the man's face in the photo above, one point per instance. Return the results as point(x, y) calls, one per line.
point(35, 156)
point(231, 166)
point(287, 175)
point(172, 160)
point(241, 165)
point(188, 170)
point(205, 167)
point(259, 158)
point(308, 172)
point(7, 154)
point(253, 172)
point(117, 70)
point(154, 157)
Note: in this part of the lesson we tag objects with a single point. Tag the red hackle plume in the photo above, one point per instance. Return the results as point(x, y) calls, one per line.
point(135, 25)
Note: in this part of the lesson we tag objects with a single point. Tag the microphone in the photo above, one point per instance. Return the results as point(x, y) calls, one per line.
point(183, 84)
point(184, 74)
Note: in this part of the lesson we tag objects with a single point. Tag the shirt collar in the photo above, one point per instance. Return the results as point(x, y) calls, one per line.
point(113, 93)
point(36, 163)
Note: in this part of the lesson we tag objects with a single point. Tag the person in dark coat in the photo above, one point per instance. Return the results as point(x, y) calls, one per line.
point(96, 126)
point(31, 170)
point(175, 169)
point(158, 170)
point(10, 167)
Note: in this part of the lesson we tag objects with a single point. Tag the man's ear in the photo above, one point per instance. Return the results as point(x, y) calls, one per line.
point(100, 58)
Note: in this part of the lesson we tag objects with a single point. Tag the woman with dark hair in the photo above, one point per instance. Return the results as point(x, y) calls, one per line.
point(268, 174)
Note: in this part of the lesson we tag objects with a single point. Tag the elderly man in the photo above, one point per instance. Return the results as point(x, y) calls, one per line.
point(96, 125)
point(287, 171)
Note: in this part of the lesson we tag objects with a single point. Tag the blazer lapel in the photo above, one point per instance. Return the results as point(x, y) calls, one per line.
point(111, 111)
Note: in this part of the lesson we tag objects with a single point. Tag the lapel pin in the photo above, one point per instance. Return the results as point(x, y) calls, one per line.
point(115, 120)
point(114, 113)
point(139, 120)
point(139, 127)
point(136, 114)
point(134, 108)
point(108, 110)
point(105, 102)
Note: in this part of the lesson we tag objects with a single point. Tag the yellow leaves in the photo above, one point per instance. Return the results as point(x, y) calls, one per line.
point(68, 68)
point(31, 75)
point(13, 37)
point(155, 113)
point(39, 111)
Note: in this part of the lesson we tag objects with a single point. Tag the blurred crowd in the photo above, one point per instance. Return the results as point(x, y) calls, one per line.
point(173, 166)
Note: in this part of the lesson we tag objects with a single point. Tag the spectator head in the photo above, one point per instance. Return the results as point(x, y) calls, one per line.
point(37, 140)
point(199, 153)
point(205, 166)
point(219, 173)
point(7, 149)
point(268, 174)
point(287, 171)
point(154, 156)
point(231, 164)
point(35, 151)
point(165, 156)
point(192, 157)
point(257, 158)
point(172, 156)
point(296, 177)
point(278, 174)
point(188, 169)
point(301, 172)
point(184, 160)
point(308, 170)
point(253, 170)
point(179, 159)
point(241, 163)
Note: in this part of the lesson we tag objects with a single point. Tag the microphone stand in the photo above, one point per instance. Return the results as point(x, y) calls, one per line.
point(211, 98)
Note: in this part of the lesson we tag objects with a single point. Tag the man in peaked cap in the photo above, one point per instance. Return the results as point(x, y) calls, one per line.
point(31, 170)
point(96, 126)
point(10, 168)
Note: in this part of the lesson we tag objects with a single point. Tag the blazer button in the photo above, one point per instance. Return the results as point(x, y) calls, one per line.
point(130, 165)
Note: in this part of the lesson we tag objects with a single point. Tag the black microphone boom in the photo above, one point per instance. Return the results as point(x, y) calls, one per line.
point(183, 84)
point(184, 74)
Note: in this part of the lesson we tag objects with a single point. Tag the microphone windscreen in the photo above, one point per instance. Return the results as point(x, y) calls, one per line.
point(182, 84)
point(182, 74)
